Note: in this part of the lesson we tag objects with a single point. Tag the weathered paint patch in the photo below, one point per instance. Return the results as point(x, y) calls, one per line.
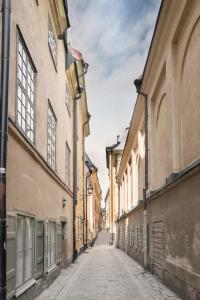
point(196, 239)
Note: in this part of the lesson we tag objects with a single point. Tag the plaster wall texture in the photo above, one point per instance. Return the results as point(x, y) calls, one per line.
point(33, 188)
point(170, 80)
point(28, 183)
point(50, 81)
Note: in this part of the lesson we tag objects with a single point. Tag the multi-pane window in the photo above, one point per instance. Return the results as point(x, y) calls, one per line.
point(25, 92)
point(67, 165)
point(24, 250)
point(51, 144)
point(51, 244)
point(67, 97)
point(52, 42)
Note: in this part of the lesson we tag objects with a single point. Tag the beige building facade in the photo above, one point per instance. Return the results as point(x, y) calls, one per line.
point(93, 219)
point(40, 148)
point(83, 131)
point(170, 80)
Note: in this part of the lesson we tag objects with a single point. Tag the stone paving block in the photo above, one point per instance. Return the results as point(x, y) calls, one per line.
point(106, 273)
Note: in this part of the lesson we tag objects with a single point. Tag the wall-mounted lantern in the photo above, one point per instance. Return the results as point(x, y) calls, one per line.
point(64, 202)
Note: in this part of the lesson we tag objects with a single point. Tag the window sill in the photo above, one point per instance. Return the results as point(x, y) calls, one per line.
point(25, 287)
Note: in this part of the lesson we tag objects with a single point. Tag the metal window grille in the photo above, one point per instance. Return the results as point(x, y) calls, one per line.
point(25, 92)
point(51, 144)
point(52, 42)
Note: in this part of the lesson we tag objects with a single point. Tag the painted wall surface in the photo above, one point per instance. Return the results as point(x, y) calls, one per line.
point(33, 187)
point(30, 189)
point(171, 82)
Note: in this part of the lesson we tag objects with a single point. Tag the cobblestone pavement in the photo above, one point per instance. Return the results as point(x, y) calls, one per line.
point(104, 272)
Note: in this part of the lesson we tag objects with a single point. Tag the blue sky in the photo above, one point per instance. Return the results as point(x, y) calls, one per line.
point(114, 37)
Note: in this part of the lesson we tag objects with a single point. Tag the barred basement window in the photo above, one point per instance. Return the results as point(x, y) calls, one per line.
point(68, 154)
point(24, 250)
point(52, 42)
point(25, 106)
point(51, 143)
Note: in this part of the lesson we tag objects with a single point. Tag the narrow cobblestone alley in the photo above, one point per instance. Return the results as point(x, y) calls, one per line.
point(104, 272)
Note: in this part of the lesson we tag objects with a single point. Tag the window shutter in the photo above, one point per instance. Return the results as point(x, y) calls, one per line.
point(59, 242)
point(46, 246)
point(11, 254)
point(39, 248)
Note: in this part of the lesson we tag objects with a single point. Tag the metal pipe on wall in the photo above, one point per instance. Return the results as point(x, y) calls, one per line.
point(6, 10)
point(84, 193)
point(138, 83)
point(78, 96)
point(145, 231)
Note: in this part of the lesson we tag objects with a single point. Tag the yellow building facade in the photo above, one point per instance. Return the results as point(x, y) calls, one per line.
point(162, 234)
point(92, 202)
point(83, 131)
point(39, 189)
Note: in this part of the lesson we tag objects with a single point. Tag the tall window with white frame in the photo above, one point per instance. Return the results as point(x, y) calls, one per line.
point(25, 106)
point(67, 97)
point(52, 42)
point(51, 244)
point(51, 138)
point(68, 154)
point(24, 250)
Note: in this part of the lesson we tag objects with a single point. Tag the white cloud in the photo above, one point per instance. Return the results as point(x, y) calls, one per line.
point(116, 50)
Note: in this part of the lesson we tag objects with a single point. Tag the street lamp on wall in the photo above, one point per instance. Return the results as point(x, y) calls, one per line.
point(64, 202)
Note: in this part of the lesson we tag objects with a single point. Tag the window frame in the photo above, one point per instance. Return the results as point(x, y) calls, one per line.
point(68, 166)
point(50, 27)
point(55, 119)
point(24, 217)
point(20, 39)
point(67, 92)
point(49, 249)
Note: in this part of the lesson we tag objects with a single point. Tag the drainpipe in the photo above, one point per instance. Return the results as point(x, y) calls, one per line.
point(138, 83)
point(6, 10)
point(76, 98)
point(84, 213)
point(111, 196)
point(75, 163)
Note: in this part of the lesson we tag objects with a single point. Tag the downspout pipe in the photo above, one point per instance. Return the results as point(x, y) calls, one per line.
point(84, 191)
point(75, 167)
point(111, 196)
point(86, 210)
point(6, 10)
point(138, 83)
point(75, 160)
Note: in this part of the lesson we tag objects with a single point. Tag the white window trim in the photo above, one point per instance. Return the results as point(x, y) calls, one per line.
point(53, 266)
point(50, 158)
point(20, 290)
point(53, 55)
point(24, 90)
